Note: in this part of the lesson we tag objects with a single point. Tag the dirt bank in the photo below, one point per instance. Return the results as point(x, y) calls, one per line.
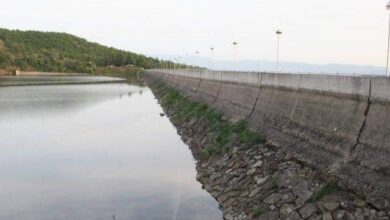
point(4, 72)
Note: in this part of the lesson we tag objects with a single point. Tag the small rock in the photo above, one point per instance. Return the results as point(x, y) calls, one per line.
point(273, 199)
point(294, 216)
point(308, 210)
point(285, 210)
point(327, 216)
point(192, 122)
point(262, 180)
point(359, 203)
point(258, 157)
point(359, 216)
point(349, 216)
point(339, 215)
point(315, 217)
point(226, 196)
point(228, 217)
point(251, 172)
point(300, 185)
point(242, 216)
point(162, 114)
point(268, 216)
point(258, 164)
point(254, 192)
point(288, 198)
point(381, 214)
point(303, 197)
point(331, 205)
point(245, 194)
point(347, 205)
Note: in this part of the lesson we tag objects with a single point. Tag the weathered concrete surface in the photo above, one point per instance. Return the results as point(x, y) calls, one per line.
point(189, 86)
point(173, 80)
point(372, 150)
point(208, 90)
point(338, 124)
point(236, 101)
point(377, 132)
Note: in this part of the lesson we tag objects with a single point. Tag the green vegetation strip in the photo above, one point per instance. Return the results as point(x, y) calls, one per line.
point(220, 131)
point(329, 188)
point(259, 210)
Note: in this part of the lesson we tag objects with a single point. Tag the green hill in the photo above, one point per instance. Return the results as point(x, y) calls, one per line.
point(61, 52)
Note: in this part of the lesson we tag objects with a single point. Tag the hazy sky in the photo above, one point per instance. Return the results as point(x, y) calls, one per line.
point(315, 31)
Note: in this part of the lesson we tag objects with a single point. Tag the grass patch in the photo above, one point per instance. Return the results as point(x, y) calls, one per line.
point(274, 182)
point(329, 188)
point(183, 109)
point(246, 135)
point(259, 210)
point(361, 195)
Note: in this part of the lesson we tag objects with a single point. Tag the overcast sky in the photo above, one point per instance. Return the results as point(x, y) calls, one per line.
point(314, 31)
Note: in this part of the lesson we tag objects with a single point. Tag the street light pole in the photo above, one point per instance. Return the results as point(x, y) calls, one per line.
point(177, 64)
point(211, 58)
point(185, 61)
point(235, 53)
point(388, 44)
point(278, 33)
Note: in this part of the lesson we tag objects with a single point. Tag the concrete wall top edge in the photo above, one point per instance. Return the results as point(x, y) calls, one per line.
point(338, 84)
point(283, 80)
point(252, 79)
point(380, 89)
point(347, 85)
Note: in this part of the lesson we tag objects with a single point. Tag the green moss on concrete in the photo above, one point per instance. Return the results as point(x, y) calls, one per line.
point(184, 109)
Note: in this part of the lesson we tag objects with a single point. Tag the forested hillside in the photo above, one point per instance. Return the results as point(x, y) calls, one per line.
point(61, 52)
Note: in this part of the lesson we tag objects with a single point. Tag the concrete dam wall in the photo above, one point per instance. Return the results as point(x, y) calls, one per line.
point(338, 124)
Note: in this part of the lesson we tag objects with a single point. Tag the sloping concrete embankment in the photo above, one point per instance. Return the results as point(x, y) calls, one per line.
point(337, 124)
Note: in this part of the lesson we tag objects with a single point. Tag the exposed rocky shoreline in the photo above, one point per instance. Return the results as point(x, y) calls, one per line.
point(261, 181)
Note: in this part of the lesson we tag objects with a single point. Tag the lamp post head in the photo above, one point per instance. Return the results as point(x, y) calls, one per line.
point(279, 32)
point(388, 6)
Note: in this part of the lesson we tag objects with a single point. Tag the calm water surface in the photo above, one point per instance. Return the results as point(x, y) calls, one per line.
point(91, 152)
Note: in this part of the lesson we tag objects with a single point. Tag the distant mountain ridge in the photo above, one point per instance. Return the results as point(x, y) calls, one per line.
point(287, 67)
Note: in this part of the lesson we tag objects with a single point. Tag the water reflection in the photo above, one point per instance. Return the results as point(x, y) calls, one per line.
point(47, 80)
point(91, 152)
point(57, 99)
